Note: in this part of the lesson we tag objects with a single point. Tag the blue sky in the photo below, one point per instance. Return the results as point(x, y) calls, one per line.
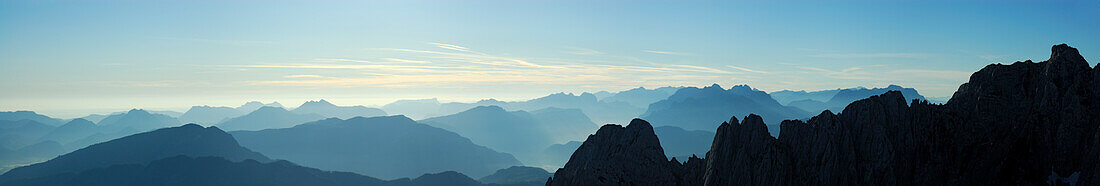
point(70, 58)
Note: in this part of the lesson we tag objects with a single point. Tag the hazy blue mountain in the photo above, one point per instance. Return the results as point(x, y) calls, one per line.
point(787, 96)
point(137, 120)
point(75, 129)
point(386, 147)
point(416, 109)
point(95, 118)
point(835, 100)
point(328, 110)
point(598, 111)
point(704, 108)
point(809, 105)
point(191, 140)
point(208, 115)
point(640, 97)
point(29, 115)
point(557, 154)
point(254, 105)
point(518, 175)
point(681, 144)
point(847, 96)
point(20, 133)
point(447, 178)
point(520, 133)
point(267, 118)
point(564, 125)
point(29, 154)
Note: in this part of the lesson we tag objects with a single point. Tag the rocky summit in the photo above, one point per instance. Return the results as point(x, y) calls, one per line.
point(1025, 123)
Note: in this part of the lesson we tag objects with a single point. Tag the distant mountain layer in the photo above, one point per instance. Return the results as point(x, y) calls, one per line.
point(191, 140)
point(1021, 124)
point(640, 97)
point(329, 110)
point(835, 100)
point(518, 175)
point(29, 115)
point(524, 134)
point(386, 147)
point(268, 118)
point(682, 143)
point(702, 108)
point(207, 115)
point(599, 111)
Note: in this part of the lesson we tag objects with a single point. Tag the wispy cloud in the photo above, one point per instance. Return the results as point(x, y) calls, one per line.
point(666, 52)
point(582, 51)
point(303, 76)
point(871, 55)
point(747, 70)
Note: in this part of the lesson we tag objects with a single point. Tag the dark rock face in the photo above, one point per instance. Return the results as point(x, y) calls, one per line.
point(1021, 124)
point(618, 155)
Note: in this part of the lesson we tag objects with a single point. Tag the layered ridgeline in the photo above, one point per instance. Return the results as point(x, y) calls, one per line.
point(518, 175)
point(210, 115)
point(29, 115)
point(837, 99)
point(387, 147)
point(329, 110)
point(268, 118)
point(605, 108)
point(520, 133)
point(184, 170)
point(190, 140)
point(1021, 124)
point(703, 108)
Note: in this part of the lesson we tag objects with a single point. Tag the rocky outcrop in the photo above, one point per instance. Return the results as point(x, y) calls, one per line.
point(1021, 124)
point(618, 155)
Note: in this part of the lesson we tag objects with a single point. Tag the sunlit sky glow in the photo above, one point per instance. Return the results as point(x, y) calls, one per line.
point(72, 58)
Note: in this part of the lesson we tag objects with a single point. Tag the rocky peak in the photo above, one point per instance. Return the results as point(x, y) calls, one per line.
point(600, 160)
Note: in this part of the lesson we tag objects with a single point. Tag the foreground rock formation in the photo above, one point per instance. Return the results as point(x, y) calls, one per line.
point(1021, 124)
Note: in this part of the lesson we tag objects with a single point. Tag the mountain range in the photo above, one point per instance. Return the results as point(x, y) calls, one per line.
point(1025, 123)
point(387, 147)
point(701, 108)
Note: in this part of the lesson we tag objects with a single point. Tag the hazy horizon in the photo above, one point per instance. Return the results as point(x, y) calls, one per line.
point(72, 58)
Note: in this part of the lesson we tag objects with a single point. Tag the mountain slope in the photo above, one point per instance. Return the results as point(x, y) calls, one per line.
point(136, 120)
point(207, 115)
point(191, 140)
point(268, 118)
point(29, 115)
point(328, 110)
point(701, 109)
point(518, 175)
point(386, 147)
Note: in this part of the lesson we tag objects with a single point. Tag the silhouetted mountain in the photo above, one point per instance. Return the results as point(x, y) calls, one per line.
point(1021, 124)
point(95, 118)
point(640, 97)
point(518, 175)
point(681, 143)
point(268, 118)
point(75, 129)
point(29, 115)
point(136, 120)
point(20, 133)
point(387, 147)
point(208, 115)
point(617, 155)
point(191, 140)
point(835, 100)
point(519, 133)
point(328, 110)
point(701, 109)
point(254, 105)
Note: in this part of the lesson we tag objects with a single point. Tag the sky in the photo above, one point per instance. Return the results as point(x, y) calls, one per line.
point(73, 58)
